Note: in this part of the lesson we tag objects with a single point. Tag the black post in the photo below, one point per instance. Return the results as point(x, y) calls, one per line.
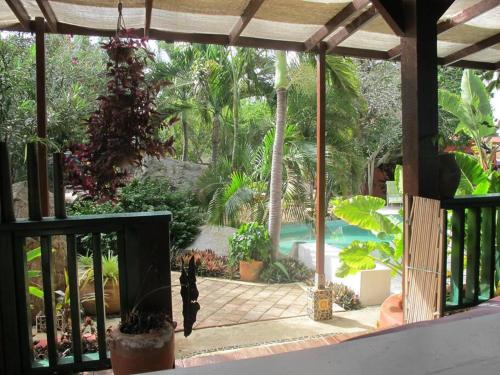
point(6, 201)
point(34, 201)
point(59, 191)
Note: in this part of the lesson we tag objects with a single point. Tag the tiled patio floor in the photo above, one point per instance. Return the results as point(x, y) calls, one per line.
point(226, 302)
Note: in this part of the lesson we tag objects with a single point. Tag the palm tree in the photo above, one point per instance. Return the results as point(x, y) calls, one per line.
point(281, 85)
point(473, 110)
point(179, 70)
point(213, 88)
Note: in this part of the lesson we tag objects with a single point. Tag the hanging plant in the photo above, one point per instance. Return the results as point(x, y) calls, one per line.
point(125, 127)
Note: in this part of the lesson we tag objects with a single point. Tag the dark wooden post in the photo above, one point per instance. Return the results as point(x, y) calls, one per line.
point(59, 191)
point(34, 201)
point(41, 110)
point(6, 201)
point(419, 89)
point(320, 168)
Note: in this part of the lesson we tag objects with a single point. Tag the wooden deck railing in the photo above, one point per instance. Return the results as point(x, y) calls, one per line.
point(472, 268)
point(144, 270)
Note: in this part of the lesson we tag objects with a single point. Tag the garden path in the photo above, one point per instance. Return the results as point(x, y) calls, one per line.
point(227, 302)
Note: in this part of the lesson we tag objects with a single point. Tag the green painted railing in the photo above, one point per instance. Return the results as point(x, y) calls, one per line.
point(473, 253)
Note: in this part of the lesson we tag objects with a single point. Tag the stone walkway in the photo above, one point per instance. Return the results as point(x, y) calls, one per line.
point(227, 302)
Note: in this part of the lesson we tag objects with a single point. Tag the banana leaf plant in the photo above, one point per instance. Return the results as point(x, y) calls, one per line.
point(474, 112)
point(362, 211)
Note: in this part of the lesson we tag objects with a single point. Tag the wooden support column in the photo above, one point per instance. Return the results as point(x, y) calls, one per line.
point(419, 89)
point(41, 111)
point(320, 166)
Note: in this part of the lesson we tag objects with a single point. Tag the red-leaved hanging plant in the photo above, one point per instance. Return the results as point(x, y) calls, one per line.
point(125, 127)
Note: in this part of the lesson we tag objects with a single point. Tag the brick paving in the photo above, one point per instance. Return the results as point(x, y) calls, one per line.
point(254, 352)
point(228, 302)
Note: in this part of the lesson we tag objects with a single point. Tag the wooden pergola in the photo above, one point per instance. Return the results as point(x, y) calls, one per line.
point(422, 34)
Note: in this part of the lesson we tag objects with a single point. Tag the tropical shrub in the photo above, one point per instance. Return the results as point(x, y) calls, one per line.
point(361, 211)
point(475, 180)
point(110, 268)
point(250, 242)
point(208, 263)
point(150, 195)
point(287, 270)
point(344, 297)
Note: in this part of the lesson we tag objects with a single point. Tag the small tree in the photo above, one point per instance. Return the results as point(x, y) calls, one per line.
point(125, 126)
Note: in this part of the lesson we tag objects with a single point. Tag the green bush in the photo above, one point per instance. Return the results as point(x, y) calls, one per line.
point(250, 242)
point(286, 270)
point(344, 296)
point(152, 195)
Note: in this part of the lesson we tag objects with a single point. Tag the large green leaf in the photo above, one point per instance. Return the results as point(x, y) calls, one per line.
point(35, 291)
point(452, 104)
point(33, 254)
point(357, 257)
point(474, 93)
point(473, 175)
point(362, 212)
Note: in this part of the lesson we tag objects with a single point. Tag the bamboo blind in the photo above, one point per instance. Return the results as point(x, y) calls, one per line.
point(424, 260)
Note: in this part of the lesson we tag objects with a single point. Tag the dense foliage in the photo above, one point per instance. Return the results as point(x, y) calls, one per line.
point(286, 270)
point(152, 195)
point(208, 263)
point(250, 242)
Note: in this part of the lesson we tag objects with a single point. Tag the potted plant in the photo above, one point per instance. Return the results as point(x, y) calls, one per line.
point(144, 340)
point(110, 283)
point(250, 247)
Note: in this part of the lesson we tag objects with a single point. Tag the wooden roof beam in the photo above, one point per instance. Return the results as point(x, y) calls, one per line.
point(467, 51)
point(337, 21)
point(48, 14)
point(349, 29)
point(458, 19)
point(467, 14)
point(359, 53)
point(147, 23)
point(392, 12)
point(22, 15)
point(250, 10)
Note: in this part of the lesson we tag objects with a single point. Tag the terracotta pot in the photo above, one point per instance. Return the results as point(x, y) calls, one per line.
point(137, 354)
point(111, 298)
point(391, 312)
point(449, 176)
point(250, 271)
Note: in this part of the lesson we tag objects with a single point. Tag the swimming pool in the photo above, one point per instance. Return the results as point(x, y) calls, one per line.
point(338, 234)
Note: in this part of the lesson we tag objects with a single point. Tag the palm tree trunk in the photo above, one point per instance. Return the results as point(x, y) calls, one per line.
point(281, 84)
point(277, 172)
point(185, 144)
point(236, 123)
point(215, 138)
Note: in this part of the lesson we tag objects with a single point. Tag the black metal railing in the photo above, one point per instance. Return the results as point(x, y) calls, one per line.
point(143, 251)
point(472, 266)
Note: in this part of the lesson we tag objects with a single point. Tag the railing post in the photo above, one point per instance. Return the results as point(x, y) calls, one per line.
point(146, 259)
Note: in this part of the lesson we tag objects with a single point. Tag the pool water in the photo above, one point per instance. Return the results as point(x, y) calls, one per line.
point(338, 234)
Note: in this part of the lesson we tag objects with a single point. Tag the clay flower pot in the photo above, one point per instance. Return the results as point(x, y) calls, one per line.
point(250, 271)
point(111, 298)
point(146, 352)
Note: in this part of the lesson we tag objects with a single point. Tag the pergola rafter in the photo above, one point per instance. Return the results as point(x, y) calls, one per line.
point(392, 12)
point(346, 31)
point(467, 51)
point(20, 13)
point(337, 21)
point(48, 14)
point(458, 19)
point(251, 9)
